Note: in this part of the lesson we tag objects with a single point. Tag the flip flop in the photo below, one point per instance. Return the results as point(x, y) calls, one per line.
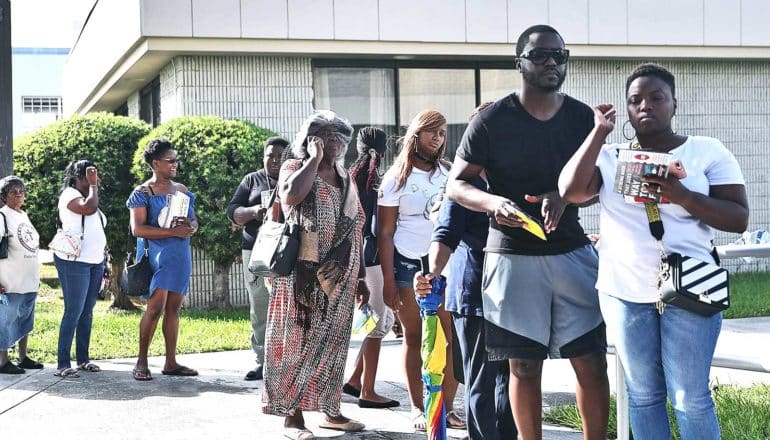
point(180, 371)
point(67, 373)
point(141, 374)
point(459, 424)
point(418, 421)
point(90, 367)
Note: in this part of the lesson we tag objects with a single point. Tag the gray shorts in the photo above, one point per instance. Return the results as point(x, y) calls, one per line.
point(540, 306)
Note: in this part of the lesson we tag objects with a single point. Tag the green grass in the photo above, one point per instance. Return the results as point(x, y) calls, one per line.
point(115, 334)
point(749, 295)
point(743, 413)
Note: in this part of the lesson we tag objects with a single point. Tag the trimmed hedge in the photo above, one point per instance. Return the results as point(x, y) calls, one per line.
point(107, 140)
point(215, 154)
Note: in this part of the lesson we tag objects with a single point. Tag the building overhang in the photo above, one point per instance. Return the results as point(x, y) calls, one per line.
point(149, 55)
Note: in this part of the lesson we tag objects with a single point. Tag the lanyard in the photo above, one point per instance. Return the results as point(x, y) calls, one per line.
point(655, 223)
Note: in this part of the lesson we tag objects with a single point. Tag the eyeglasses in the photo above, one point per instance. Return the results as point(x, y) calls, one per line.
point(16, 192)
point(172, 161)
point(540, 56)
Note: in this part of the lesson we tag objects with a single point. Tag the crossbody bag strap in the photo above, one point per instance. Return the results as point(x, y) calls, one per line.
point(130, 235)
point(655, 223)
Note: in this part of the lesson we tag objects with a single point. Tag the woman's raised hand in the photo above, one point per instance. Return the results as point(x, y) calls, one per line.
point(92, 175)
point(604, 117)
point(315, 147)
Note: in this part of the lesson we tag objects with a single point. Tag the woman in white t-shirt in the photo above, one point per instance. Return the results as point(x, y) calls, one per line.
point(408, 192)
point(80, 276)
point(665, 352)
point(19, 277)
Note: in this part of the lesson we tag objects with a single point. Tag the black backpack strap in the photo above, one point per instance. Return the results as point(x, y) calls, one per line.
point(5, 226)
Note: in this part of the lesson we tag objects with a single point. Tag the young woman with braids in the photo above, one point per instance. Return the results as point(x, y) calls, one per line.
point(371, 145)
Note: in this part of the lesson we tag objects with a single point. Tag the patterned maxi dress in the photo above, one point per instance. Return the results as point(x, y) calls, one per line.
point(304, 364)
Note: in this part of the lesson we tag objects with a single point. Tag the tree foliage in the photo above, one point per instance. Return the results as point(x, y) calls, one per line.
point(105, 139)
point(215, 154)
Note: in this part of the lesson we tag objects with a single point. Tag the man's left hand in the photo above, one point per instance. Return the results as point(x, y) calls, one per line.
point(552, 208)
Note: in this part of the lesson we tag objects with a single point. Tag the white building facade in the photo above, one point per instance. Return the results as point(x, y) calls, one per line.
point(378, 62)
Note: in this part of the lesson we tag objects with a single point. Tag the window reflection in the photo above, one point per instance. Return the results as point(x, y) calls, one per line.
point(450, 91)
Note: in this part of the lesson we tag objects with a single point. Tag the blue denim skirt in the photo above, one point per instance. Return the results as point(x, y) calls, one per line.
point(17, 317)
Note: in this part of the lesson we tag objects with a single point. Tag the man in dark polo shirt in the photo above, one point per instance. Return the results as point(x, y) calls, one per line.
point(539, 298)
point(247, 209)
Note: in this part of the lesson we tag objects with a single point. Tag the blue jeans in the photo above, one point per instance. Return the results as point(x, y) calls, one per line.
point(666, 355)
point(487, 407)
point(80, 283)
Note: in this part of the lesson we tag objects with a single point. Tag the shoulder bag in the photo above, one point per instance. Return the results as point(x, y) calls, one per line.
point(691, 284)
point(4, 239)
point(276, 247)
point(137, 275)
point(67, 242)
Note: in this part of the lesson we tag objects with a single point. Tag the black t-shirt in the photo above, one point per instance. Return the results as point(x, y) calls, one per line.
point(249, 193)
point(523, 155)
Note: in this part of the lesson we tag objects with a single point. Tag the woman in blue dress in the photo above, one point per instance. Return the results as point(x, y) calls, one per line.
point(169, 251)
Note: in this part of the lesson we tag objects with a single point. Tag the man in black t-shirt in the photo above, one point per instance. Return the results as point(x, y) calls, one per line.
point(539, 298)
point(247, 208)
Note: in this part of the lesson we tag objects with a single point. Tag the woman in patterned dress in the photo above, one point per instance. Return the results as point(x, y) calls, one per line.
point(311, 311)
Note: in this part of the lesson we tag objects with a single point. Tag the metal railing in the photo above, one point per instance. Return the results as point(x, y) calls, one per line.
point(745, 363)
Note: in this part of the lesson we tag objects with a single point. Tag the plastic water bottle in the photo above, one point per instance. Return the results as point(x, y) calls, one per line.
point(760, 236)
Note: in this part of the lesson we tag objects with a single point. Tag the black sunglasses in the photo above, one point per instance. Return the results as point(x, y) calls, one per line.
point(540, 56)
point(172, 161)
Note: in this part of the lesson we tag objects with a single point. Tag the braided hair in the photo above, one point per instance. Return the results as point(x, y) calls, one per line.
point(369, 138)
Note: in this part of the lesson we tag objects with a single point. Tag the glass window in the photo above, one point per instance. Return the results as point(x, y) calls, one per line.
point(39, 111)
point(497, 83)
point(450, 91)
point(365, 96)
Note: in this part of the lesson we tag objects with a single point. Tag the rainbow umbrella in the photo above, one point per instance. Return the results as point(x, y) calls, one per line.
point(433, 351)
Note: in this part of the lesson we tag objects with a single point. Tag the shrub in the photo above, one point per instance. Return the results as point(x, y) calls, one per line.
point(107, 140)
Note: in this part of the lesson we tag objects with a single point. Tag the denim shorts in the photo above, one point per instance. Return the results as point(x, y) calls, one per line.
point(405, 269)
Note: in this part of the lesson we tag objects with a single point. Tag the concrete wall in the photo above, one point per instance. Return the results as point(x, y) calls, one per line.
point(632, 22)
point(133, 105)
point(272, 92)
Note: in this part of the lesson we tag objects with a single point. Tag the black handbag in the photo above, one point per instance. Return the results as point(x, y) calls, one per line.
point(694, 285)
point(137, 275)
point(4, 239)
point(688, 283)
point(276, 247)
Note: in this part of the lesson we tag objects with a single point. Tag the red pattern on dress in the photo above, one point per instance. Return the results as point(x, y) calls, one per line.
point(304, 367)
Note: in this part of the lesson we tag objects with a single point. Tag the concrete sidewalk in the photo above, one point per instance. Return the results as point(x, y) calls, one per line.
point(219, 404)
